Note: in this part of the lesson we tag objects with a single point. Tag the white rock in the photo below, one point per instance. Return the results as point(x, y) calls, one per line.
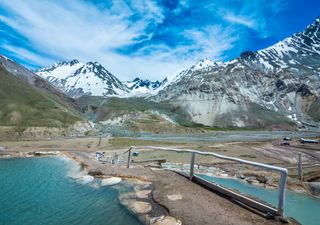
point(168, 220)
point(143, 193)
point(110, 181)
point(140, 207)
point(174, 197)
point(86, 179)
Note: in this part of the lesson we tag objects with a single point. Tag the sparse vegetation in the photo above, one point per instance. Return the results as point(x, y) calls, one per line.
point(22, 105)
point(127, 142)
point(314, 110)
point(107, 108)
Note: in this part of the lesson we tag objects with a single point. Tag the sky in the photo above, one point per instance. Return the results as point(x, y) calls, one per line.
point(145, 38)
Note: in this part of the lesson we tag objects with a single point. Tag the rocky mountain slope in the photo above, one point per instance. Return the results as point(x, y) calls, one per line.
point(27, 100)
point(76, 79)
point(258, 89)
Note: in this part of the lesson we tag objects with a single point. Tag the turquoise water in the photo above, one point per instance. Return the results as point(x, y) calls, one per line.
point(302, 207)
point(37, 191)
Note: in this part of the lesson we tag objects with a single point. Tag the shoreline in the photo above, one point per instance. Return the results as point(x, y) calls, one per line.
point(181, 199)
point(303, 187)
point(220, 174)
point(139, 202)
point(146, 200)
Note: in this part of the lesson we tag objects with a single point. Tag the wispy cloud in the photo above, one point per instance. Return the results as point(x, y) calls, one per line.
point(78, 29)
point(230, 17)
point(252, 14)
point(148, 38)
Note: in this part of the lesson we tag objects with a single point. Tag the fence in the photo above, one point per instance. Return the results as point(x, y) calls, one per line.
point(300, 167)
point(251, 202)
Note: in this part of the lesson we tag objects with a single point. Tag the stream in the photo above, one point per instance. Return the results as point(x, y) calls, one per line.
point(300, 206)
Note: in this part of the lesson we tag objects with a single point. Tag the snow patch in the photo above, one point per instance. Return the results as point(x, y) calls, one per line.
point(293, 117)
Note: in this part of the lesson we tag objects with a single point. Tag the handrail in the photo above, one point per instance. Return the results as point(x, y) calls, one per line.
point(283, 171)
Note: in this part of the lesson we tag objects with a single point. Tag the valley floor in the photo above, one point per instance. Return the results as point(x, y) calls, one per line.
point(186, 201)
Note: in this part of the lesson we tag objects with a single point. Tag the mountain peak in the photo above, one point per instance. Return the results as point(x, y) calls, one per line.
point(76, 79)
point(203, 63)
point(248, 55)
point(140, 87)
point(74, 61)
point(71, 62)
point(312, 31)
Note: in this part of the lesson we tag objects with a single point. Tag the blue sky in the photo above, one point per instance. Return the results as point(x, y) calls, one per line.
point(150, 39)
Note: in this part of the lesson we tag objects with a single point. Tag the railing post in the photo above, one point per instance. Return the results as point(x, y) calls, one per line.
point(193, 157)
point(300, 167)
point(129, 157)
point(99, 141)
point(100, 137)
point(282, 192)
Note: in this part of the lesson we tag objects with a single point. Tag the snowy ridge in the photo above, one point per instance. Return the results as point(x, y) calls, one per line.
point(201, 65)
point(77, 78)
point(289, 52)
point(139, 87)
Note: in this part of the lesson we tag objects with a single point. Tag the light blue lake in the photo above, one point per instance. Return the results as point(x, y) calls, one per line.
point(36, 191)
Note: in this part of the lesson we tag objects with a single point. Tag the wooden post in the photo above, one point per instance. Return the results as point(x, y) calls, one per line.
point(193, 156)
point(100, 137)
point(300, 167)
point(116, 156)
point(112, 161)
point(129, 158)
point(99, 141)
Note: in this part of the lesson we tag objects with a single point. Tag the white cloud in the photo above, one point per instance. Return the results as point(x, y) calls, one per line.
point(252, 14)
point(82, 30)
point(230, 17)
point(211, 41)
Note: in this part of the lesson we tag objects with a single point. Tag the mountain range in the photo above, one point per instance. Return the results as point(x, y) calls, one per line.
point(78, 79)
point(276, 87)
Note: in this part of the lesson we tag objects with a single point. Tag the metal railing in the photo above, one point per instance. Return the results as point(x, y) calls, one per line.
point(283, 171)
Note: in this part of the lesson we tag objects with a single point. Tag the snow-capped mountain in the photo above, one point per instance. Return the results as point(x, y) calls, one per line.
point(201, 65)
point(260, 88)
point(77, 78)
point(141, 87)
